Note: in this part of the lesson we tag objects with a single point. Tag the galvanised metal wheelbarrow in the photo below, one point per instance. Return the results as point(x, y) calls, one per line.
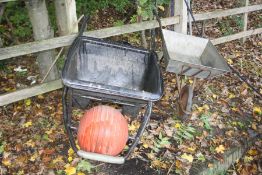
point(107, 71)
point(190, 56)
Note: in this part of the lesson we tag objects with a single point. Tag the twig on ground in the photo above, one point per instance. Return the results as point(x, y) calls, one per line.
point(170, 168)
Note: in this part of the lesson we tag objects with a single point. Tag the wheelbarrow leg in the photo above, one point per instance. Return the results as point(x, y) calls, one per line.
point(67, 114)
point(141, 129)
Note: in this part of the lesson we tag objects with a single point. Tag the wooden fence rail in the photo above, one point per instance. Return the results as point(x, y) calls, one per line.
point(57, 42)
point(229, 12)
point(236, 36)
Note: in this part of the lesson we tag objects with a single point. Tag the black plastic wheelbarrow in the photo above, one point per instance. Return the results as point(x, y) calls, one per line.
point(107, 71)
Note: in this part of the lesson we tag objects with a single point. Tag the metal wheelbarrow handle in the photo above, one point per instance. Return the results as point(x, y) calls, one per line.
point(101, 157)
point(83, 26)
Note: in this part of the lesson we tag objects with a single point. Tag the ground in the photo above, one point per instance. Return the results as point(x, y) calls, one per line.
point(226, 115)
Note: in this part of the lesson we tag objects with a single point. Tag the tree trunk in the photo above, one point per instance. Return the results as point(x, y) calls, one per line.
point(66, 17)
point(2, 8)
point(42, 30)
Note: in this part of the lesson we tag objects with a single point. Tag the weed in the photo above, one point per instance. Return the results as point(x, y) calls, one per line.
point(22, 74)
point(118, 23)
point(225, 28)
point(184, 132)
point(84, 7)
point(84, 166)
point(2, 146)
point(146, 7)
point(239, 21)
point(17, 15)
point(160, 142)
point(60, 62)
point(205, 119)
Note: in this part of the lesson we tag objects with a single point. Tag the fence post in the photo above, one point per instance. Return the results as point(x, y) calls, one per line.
point(245, 20)
point(66, 17)
point(181, 10)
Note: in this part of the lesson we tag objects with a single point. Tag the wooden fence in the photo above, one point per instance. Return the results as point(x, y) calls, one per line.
point(37, 46)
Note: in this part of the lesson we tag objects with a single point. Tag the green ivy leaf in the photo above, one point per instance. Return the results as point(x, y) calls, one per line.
point(84, 165)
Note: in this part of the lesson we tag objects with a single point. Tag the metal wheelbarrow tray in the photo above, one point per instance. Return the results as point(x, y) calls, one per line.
point(192, 56)
point(113, 69)
point(101, 70)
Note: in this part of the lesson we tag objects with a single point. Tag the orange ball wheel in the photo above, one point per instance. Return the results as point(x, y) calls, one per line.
point(104, 130)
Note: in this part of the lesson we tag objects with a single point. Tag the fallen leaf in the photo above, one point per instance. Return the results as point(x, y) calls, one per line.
point(234, 109)
point(6, 162)
point(204, 107)
point(257, 110)
point(151, 155)
point(220, 149)
point(40, 97)
point(188, 157)
point(70, 170)
point(231, 95)
point(145, 145)
point(229, 61)
point(49, 151)
point(80, 173)
point(161, 7)
point(70, 152)
point(58, 159)
point(248, 159)
point(244, 92)
point(33, 157)
point(70, 159)
point(191, 149)
point(49, 131)
point(252, 152)
point(178, 164)
point(254, 126)
point(134, 126)
point(27, 124)
point(210, 165)
point(27, 102)
point(177, 125)
point(30, 143)
point(159, 164)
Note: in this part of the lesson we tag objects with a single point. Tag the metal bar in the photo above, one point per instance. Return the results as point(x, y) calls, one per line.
point(92, 98)
point(101, 157)
point(67, 113)
point(73, 128)
point(184, 71)
point(197, 73)
point(141, 129)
